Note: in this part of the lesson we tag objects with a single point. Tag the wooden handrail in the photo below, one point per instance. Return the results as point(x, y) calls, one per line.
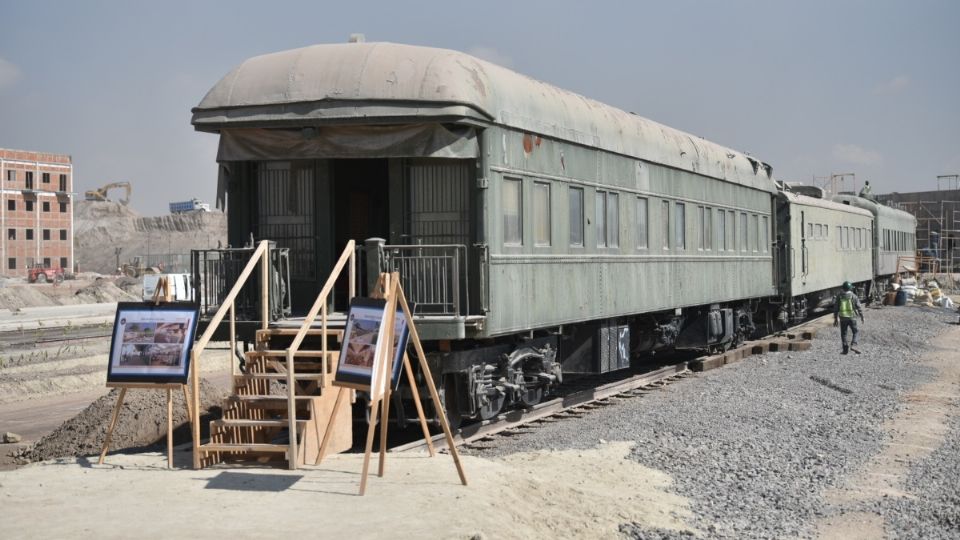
point(261, 254)
point(348, 255)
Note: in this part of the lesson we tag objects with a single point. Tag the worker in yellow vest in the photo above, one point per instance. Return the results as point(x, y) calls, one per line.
point(846, 309)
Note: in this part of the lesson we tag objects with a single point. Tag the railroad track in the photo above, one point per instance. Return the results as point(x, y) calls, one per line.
point(585, 395)
point(54, 334)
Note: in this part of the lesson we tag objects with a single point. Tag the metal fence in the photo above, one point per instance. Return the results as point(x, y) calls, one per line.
point(216, 270)
point(434, 277)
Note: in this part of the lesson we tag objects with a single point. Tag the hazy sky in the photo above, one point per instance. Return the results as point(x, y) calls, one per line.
point(813, 88)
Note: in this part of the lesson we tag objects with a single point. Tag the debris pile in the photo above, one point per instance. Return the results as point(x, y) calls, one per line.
point(142, 423)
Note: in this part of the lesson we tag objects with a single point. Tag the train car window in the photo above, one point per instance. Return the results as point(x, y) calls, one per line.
point(680, 226)
point(665, 223)
point(601, 219)
point(721, 230)
point(755, 237)
point(744, 233)
point(613, 220)
point(708, 228)
point(701, 238)
point(843, 237)
point(512, 212)
point(576, 216)
point(642, 237)
point(764, 234)
point(826, 231)
point(819, 230)
point(731, 230)
point(809, 230)
point(541, 214)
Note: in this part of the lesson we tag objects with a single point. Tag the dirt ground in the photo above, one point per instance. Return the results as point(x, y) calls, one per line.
point(518, 497)
point(570, 493)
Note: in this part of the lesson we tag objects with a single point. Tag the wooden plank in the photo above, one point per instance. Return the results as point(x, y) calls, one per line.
point(248, 447)
point(799, 345)
point(169, 428)
point(300, 376)
point(706, 363)
point(245, 422)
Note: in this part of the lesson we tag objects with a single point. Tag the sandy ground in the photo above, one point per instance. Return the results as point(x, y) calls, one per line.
point(518, 497)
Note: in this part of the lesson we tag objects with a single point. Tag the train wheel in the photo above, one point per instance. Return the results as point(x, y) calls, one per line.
point(449, 398)
point(492, 406)
point(532, 395)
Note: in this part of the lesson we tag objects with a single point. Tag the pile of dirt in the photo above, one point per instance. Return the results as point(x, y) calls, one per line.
point(142, 423)
point(104, 290)
point(17, 294)
point(102, 227)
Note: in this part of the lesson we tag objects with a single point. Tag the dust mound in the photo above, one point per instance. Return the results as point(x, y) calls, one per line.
point(106, 291)
point(103, 226)
point(142, 423)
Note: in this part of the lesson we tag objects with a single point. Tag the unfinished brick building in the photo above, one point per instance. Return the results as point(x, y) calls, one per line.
point(36, 211)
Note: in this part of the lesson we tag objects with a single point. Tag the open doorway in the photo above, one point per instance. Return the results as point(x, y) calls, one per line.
point(360, 209)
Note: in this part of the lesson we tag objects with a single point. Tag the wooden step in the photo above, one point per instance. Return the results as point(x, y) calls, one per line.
point(243, 422)
point(270, 402)
point(244, 447)
point(300, 376)
point(290, 332)
point(283, 354)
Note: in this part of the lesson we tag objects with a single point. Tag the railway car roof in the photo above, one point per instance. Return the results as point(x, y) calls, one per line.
point(796, 198)
point(879, 210)
point(392, 83)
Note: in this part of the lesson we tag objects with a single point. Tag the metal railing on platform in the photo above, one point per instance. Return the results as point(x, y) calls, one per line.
point(434, 277)
point(215, 271)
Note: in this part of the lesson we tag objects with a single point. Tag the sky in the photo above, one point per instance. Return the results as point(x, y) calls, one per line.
point(813, 88)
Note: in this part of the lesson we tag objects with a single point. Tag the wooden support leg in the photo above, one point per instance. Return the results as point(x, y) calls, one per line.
point(384, 422)
point(416, 401)
point(186, 402)
point(374, 410)
point(341, 393)
point(415, 337)
point(169, 428)
point(113, 424)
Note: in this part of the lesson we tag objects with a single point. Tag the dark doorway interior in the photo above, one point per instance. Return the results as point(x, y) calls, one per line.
point(360, 209)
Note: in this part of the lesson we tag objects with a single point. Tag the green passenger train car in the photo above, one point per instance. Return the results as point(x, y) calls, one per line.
point(538, 231)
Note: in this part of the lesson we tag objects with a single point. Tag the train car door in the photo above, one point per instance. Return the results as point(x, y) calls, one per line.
point(803, 247)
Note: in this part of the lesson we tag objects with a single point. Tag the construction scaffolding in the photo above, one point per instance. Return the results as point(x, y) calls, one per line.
point(938, 220)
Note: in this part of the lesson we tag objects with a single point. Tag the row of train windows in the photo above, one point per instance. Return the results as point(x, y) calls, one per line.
point(818, 231)
point(898, 241)
point(854, 238)
point(716, 228)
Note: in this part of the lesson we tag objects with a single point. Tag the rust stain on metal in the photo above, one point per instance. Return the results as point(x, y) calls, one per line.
point(528, 144)
point(538, 141)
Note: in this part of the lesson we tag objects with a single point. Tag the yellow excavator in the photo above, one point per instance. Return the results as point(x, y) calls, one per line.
point(101, 193)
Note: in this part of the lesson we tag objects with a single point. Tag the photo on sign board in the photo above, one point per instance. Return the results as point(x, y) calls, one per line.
point(151, 343)
point(361, 342)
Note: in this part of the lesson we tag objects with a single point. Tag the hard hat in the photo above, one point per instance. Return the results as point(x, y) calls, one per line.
point(847, 285)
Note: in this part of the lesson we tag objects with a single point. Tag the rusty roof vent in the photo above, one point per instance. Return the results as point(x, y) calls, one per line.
point(357, 38)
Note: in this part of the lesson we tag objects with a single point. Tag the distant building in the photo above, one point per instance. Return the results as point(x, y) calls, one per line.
point(938, 223)
point(36, 211)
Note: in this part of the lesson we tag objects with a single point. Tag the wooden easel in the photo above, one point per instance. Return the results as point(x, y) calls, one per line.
point(389, 287)
point(162, 285)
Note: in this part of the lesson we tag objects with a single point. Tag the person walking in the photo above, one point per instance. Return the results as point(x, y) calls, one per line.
point(846, 308)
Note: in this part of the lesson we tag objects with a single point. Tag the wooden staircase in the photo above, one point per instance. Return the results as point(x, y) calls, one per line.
point(256, 424)
point(282, 400)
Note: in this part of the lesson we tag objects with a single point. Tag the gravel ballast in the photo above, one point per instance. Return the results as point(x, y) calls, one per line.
point(755, 445)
